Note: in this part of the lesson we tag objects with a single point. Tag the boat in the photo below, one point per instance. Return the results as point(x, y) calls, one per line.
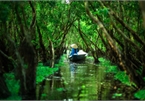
point(80, 56)
point(76, 57)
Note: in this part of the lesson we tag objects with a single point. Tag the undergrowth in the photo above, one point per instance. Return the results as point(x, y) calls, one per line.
point(121, 76)
point(13, 86)
point(41, 73)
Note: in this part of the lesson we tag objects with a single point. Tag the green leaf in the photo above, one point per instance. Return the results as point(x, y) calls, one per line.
point(112, 69)
point(121, 76)
point(144, 78)
point(13, 85)
point(43, 71)
point(60, 89)
point(140, 94)
point(116, 95)
point(44, 95)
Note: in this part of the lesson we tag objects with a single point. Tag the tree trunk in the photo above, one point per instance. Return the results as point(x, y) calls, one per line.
point(142, 6)
point(44, 55)
point(27, 59)
point(52, 53)
point(107, 36)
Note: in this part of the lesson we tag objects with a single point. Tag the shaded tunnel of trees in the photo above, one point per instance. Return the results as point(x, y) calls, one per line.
point(31, 32)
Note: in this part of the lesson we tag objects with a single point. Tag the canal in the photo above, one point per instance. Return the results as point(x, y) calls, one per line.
point(85, 82)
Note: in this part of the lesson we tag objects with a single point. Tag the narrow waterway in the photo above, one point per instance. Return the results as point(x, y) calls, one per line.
point(87, 82)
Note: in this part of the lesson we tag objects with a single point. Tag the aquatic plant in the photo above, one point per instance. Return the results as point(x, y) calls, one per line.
point(43, 71)
point(118, 75)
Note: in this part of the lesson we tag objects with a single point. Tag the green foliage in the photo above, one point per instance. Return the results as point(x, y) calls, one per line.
point(25, 66)
point(121, 76)
point(104, 62)
point(60, 89)
point(13, 86)
point(101, 59)
point(116, 95)
point(112, 69)
point(83, 86)
point(102, 11)
point(144, 78)
point(44, 95)
point(140, 94)
point(109, 67)
point(90, 57)
point(61, 61)
point(86, 27)
point(43, 71)
point(4, 11)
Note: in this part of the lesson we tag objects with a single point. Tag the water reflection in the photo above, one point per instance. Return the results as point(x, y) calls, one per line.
point(73, 69)
point(78, 82)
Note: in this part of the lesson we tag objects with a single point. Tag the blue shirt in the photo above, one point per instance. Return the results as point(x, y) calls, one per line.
point(73, 51)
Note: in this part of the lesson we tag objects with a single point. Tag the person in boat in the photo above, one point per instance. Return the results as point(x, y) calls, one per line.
point(74, 50)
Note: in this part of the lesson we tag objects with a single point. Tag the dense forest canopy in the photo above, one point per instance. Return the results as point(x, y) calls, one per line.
point(31, 32)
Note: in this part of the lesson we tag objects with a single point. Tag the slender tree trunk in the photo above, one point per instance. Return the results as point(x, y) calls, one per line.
point(52, 53)
point(44, 55)
point(142, 6)
point(28, 61)
point(107, 36)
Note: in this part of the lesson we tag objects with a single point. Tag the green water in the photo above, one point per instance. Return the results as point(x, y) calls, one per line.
point(86, 83)
point(101, 81)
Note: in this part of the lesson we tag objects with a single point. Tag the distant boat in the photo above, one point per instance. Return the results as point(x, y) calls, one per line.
point(80, 56)
point(77, 57)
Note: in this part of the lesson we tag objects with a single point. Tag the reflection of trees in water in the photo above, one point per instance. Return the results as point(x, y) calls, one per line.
point(72, 77)
point(72, 68)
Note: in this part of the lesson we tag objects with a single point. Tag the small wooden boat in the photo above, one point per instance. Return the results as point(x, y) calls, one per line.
point(75, 58)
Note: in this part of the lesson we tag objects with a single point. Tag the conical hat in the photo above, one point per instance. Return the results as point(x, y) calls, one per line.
point(74, 46)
